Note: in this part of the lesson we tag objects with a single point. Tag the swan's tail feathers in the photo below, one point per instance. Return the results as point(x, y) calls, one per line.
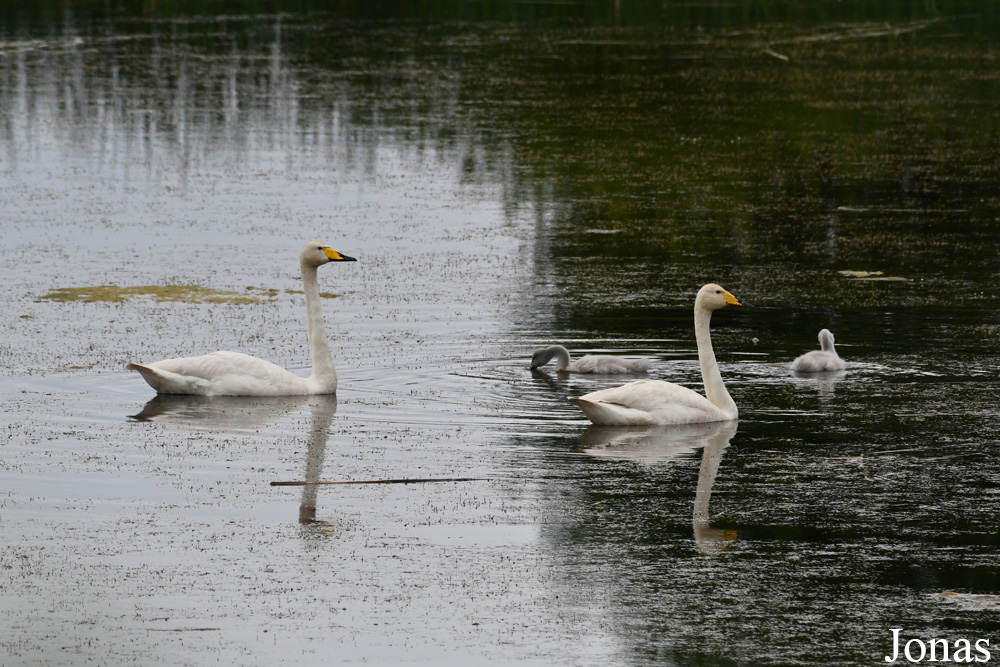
point(165, 382)
point(145, 371)
point(150, 375)
point(603, 413)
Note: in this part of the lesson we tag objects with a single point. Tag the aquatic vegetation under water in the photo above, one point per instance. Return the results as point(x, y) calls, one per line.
point(169, 293)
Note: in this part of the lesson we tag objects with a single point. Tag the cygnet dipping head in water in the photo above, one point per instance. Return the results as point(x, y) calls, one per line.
point(591, 363)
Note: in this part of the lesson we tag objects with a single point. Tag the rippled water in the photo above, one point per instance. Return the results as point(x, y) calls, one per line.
point(535, 175)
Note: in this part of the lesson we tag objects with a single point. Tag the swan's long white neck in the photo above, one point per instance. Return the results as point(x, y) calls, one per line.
point(319, 348)
point(715, 389)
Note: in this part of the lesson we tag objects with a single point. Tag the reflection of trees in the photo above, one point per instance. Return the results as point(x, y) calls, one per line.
point(657, 148)
point(673, 139)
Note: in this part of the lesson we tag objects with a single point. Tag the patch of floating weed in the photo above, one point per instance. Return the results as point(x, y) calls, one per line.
point(176, 293)
point(870, 275)
point(266, 291)
point(324, 295)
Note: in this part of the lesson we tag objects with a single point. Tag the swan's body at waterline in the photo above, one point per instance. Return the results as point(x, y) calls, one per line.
point(821, 360)
point(235, 374)
point(646, 402)
point(591, 363)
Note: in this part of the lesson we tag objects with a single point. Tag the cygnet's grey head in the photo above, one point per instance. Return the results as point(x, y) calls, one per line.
point(544, 355)
point(540, 357)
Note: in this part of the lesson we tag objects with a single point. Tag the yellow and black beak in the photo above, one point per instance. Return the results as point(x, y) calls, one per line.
point(734, 301)
point(335, 256)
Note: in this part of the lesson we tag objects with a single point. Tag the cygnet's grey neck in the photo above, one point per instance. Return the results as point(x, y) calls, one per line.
point(560, 353)
point(826, 341)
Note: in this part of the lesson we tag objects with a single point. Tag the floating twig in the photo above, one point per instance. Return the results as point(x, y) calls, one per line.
point(384, 481)
point(779, 56)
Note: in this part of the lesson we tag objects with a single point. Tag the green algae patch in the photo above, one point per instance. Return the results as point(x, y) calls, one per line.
point(176, 293)
point(322, 295)
point(263, 291)
point(871, 275)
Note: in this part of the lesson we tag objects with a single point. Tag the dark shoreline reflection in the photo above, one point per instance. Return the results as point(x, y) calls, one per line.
point(661, 444)
point(247, 415)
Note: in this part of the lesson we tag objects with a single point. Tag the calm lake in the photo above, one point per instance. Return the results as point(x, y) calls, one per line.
point(508, 175)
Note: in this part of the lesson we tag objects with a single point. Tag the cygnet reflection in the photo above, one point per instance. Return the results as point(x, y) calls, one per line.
point(825, 384)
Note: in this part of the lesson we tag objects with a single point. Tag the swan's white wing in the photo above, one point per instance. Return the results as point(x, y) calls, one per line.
point(221, 374)
point(649, 402)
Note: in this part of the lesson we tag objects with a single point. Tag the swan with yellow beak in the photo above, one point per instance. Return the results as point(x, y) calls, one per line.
point(235, 374)
point(654, 402)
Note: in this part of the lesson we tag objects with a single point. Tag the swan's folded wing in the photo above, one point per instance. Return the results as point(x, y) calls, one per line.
point(166, 382)
point(221, 374)
point(648, 402)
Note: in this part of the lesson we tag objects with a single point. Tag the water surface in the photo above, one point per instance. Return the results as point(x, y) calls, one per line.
point(507, 177)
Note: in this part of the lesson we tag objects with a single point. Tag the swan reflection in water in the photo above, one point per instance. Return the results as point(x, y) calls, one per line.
point(247, 415)
point(659, 444)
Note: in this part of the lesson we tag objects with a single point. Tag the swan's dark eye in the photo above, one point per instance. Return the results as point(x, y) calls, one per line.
point(718, 291)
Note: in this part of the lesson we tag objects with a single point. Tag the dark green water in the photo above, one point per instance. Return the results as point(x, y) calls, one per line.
point(508, 174)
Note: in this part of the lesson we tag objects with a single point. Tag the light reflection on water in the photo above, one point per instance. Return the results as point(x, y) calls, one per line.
point(493, 208)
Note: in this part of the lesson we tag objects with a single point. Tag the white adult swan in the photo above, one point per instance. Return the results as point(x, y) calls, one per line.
point(590, 363)
point(823, 359)
point(236, 374)
point(646, 402)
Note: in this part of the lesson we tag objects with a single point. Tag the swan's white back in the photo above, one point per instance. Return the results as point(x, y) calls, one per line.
point(649, 402)
point(605, 363)
point(646, 402)
point(225, 373)
point(236, 374)
point(819, 361)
